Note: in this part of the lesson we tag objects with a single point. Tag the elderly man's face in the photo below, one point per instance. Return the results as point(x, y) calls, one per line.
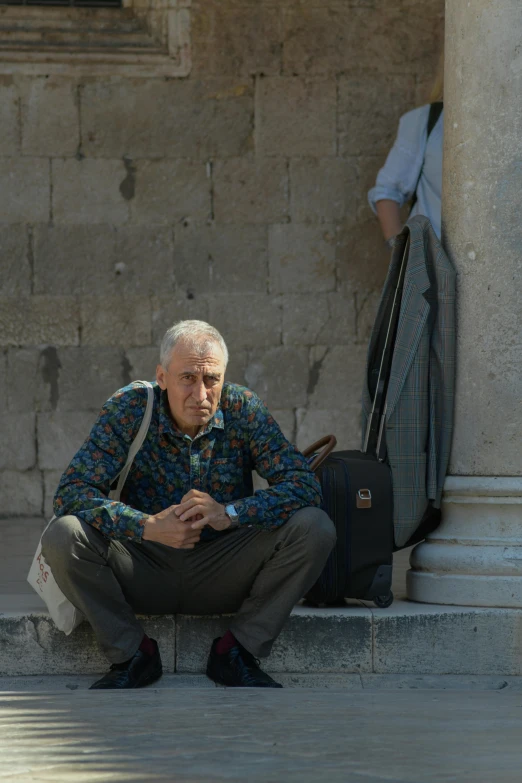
point(193, 381)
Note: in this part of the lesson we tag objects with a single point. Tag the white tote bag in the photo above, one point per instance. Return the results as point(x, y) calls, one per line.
point(63, 613)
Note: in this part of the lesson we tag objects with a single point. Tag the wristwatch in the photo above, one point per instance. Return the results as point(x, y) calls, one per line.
point(232, 514)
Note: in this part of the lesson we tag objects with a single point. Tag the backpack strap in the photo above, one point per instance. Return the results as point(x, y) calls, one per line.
point(433, 116)
point(137, 442)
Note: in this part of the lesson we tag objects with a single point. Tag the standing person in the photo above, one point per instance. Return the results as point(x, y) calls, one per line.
point(413, 168)
point(189, 534)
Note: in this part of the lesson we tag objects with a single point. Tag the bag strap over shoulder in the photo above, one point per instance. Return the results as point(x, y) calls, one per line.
point(433, 116)
point(137, 442)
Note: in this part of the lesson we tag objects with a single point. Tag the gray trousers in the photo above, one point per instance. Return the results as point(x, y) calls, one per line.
point(259, 575)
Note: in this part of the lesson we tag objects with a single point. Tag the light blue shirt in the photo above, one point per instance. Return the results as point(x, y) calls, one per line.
point(397, 178)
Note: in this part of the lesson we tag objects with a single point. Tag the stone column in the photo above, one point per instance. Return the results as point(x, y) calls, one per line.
point(475, 557)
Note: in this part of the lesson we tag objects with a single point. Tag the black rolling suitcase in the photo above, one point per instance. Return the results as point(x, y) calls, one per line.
point(358, 498)
point(358, 493)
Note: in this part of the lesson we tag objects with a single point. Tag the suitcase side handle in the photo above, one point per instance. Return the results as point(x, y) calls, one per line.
point(326, 444)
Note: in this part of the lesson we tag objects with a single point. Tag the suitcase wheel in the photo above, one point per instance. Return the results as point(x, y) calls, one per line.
point(383, 601)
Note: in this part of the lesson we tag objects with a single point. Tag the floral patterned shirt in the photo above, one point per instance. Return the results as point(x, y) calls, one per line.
point(241, 436)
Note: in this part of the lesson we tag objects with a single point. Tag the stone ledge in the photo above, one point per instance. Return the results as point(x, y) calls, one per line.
point(313, 641)
point(322, 645)
point(31, 644)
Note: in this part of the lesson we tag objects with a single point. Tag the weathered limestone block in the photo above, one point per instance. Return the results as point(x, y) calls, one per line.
point(141, 363)
point(317, 40)
point(9, 117)
point(324, 319)
point(88, 376)
point(168, 191)
point(323, 190)
point(305, 642)
point(313, 424)
point(251, 191)
point(76, 259)
point(168, 310)
point(363, 257)
point(117, 320)
point(424, 85)
point(239, 258)
point(17, 443)
point(21, 493)
point(31, 379)
point(39, 319)
point(370, 105)
point(60, 435)
point(102, 259)
point(484, 641)
point(303, 646)
point(327, 38)
point(50, 116)
point(216, 258)
point(247, 320)
point(235, 39)
point(302, 258)
point(237, 365)
point(336, 376)
point(192, 259)
point(295, 117)
point(25, 191)
point(279, 375)
point(143, 260)
point(89, 191)
point(141, 118)
point(15, 279)
point(32, 645)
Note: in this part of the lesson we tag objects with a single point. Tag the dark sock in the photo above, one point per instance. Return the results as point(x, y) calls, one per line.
point(225, 644)
point(147, 645)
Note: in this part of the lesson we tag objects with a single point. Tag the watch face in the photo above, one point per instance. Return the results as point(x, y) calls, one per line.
point(231, 511)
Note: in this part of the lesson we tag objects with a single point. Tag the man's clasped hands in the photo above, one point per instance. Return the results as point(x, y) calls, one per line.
point(180, 526)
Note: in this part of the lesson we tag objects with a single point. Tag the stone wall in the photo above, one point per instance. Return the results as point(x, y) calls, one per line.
point(236, 195)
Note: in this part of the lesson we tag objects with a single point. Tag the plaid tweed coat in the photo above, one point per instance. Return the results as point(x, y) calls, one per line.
point(419, 402)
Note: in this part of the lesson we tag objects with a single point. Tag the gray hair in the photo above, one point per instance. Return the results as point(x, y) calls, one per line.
point(198, 334)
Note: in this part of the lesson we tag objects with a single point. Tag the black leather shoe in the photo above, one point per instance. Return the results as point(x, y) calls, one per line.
point(237, 669)
point(140, 670)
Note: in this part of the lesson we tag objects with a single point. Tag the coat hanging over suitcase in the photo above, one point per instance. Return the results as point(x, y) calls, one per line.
point(358, 492)
point(418, 424)
point(407, 420)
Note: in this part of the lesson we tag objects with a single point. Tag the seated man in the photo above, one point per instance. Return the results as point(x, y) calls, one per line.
point(188, 534)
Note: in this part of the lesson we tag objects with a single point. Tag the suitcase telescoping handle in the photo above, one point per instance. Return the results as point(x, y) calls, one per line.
point(376, 420)
point(326, 444)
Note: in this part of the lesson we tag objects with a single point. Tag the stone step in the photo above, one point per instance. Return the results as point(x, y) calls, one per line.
point(56, 683)
point(357, 639)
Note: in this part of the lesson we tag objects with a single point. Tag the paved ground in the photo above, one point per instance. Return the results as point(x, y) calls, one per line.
point(200, 735)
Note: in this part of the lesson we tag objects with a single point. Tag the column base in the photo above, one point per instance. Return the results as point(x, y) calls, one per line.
point(475, 557)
